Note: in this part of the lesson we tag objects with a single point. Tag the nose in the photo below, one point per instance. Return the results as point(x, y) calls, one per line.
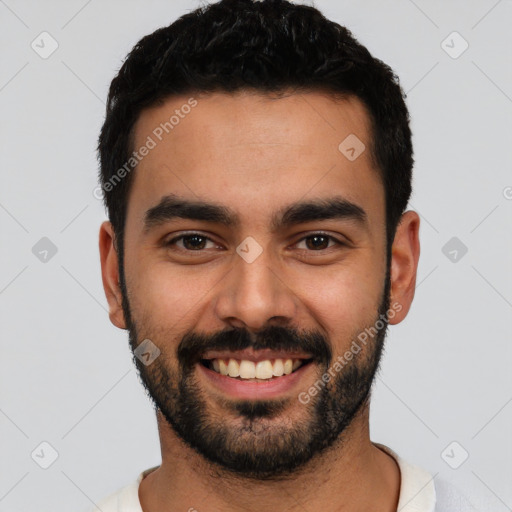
point(255, 295)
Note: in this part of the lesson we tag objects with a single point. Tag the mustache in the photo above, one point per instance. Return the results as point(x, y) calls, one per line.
point(194, 345)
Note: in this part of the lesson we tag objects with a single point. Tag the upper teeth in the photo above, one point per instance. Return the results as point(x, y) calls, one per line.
point(250, 370)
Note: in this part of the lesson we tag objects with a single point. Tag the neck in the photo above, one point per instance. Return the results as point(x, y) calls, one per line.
point(351, 476)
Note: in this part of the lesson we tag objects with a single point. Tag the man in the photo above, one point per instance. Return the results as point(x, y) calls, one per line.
point(256, 165)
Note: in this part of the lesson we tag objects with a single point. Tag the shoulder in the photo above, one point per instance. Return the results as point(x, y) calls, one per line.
point(449, 498)
point(126, 499)
point(422, 491)
point(112, 502)
point(417, 490)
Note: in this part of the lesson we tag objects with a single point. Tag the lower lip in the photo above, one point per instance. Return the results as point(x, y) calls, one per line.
point(252, 389)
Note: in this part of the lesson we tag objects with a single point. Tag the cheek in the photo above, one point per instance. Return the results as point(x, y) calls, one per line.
point(343, 301)
point(168, 295)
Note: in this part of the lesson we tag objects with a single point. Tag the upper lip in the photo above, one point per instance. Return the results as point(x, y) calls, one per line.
point(254, 355)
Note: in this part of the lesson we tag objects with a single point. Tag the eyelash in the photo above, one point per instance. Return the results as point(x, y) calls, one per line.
point(186, 235)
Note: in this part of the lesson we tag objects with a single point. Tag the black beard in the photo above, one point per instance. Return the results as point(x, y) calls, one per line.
point(254, 447)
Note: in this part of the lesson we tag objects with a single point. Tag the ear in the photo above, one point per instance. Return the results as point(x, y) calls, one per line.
point(110, 274)
point(405, 254)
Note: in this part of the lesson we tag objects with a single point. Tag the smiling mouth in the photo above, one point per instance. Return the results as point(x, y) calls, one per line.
point(264, 370)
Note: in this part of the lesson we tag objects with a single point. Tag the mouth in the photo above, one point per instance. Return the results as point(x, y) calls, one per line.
point(250, 364)
point(262, 374)
point(249, 370)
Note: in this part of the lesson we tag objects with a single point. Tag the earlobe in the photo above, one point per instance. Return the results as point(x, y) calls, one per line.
point(110, 274)
point(405, 254)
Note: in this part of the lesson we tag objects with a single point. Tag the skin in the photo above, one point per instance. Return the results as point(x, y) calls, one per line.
point(257, 155)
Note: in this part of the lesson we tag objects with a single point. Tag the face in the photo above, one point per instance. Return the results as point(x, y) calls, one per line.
point(254, 247)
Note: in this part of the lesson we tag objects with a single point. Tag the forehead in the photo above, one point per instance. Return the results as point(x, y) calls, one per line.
point(247, 149)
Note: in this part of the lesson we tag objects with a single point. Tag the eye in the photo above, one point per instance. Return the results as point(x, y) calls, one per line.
point(197, 242)
point(318, 242)
point(191, 242)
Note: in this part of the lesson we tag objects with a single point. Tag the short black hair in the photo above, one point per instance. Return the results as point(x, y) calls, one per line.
point(268, 46)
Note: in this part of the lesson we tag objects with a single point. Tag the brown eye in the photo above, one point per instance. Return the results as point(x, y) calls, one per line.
point(192, 242)
point(318, 242)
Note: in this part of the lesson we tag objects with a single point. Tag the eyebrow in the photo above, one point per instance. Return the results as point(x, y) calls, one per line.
point(172, 207)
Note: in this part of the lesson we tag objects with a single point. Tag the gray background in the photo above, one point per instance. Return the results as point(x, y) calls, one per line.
point(66, 373)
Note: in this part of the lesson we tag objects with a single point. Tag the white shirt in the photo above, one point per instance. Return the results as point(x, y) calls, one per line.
point(418, 492)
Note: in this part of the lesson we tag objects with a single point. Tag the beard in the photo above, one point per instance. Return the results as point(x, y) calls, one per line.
point(257, 439)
